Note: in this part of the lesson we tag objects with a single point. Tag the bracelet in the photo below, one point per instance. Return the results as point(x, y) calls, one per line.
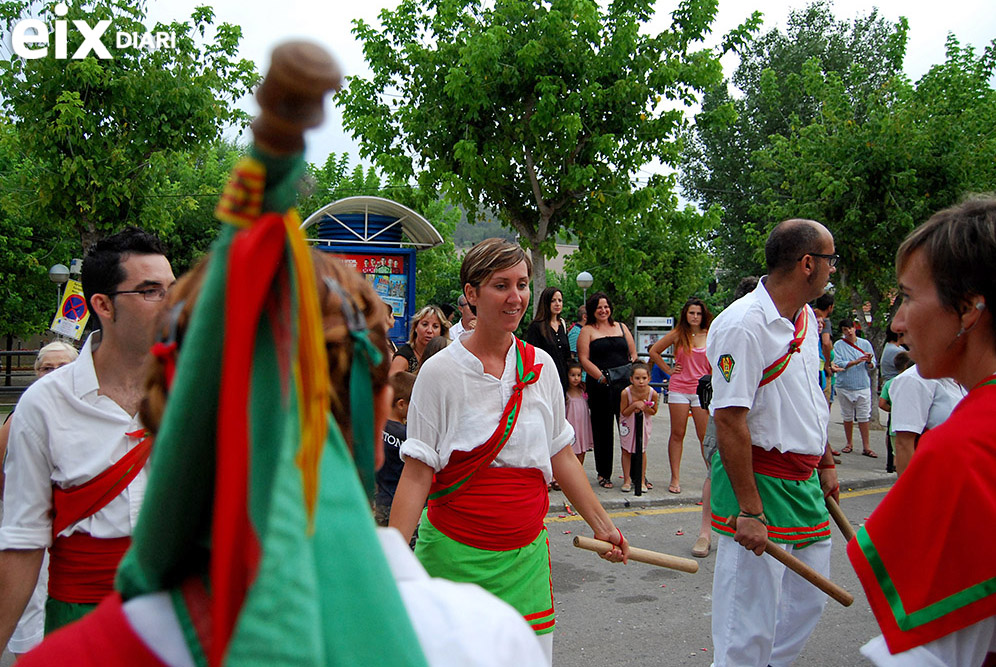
point(757, 517)
point(620, 537)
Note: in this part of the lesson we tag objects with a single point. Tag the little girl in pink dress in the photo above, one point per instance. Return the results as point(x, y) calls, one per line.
point(578, 415)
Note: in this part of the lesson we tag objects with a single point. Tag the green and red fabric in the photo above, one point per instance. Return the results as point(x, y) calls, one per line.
point(495, 509)
point(779, 365)
point(252, 491)
point(793, 505)
point(921, 581)
point(520, 577)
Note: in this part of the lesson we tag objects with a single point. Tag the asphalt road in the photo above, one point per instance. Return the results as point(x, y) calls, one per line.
point(644, 615)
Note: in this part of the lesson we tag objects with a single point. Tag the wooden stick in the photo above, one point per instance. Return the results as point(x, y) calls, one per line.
point(840, 519)
point(640, 555)
point(804, 571)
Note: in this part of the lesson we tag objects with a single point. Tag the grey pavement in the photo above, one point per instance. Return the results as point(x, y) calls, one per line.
point(854, 472)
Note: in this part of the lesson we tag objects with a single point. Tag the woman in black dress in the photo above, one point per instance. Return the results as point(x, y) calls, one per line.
point(548, 331)
point(604, 344)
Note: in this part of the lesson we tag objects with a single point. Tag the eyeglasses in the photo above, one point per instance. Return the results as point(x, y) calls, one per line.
point(149, 294)
point(831, 259)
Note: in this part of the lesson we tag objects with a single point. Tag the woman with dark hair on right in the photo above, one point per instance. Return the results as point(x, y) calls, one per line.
point(926, 555)
point(548, 331)
point(605, 350)
point(690, 364)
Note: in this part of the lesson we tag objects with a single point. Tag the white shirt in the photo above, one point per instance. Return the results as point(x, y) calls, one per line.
point(455, 406)
point(788, 414)
point(963, 648)
point(919, 404)
point(65, 432)
point(458, 624)
point(456, 330)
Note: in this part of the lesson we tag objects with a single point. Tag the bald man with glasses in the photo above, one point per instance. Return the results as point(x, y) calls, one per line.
point(468, 319)
point(76, 459)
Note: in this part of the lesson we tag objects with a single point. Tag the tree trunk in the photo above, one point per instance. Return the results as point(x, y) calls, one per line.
point(539, 275)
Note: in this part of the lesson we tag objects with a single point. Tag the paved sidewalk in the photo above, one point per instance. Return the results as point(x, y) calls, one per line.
point(855, 471)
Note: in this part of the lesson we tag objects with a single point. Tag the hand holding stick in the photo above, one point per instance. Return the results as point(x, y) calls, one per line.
point(640, 555)
point(803, 570)
point(840, 519)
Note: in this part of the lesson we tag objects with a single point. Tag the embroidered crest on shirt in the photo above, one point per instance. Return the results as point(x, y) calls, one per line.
point(726, 364)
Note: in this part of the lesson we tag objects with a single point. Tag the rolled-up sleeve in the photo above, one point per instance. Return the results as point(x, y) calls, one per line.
point(422, 443)
point(28, 491)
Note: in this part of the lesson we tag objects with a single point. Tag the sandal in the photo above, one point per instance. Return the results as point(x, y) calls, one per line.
point(869, 453)
point(701, 547)
point(847, 450)
point(647, 485)
point(604, 483)
point(673, 488)
point(626, 488)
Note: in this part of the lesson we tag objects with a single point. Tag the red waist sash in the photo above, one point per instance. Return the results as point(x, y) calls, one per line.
point(74, 504)
point(784, 465)
point(81, 567)
point(502, 510)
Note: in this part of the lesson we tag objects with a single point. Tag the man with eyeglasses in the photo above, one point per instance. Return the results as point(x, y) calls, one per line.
point(468, 320)
point(774, 464)
point(75, 463)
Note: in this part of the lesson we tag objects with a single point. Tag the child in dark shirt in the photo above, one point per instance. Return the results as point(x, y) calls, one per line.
point(394, 434)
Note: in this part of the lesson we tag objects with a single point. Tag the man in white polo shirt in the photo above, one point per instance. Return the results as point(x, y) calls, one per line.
point(771, 419)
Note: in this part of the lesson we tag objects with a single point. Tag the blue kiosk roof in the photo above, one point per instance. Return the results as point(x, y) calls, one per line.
point(372, 220)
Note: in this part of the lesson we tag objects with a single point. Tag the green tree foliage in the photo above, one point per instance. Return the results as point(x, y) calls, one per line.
point(102, 135)
point(667, 260)
point(877, 161)
point(771, 99)
point(540, 111)
point(28, 247)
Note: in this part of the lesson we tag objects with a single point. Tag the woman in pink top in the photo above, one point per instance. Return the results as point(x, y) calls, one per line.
point(690, 363)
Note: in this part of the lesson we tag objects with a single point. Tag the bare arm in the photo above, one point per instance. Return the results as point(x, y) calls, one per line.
point(18, 576)
point(4, 435)
point(884, 405)
point(827, 342)
point(584, 340)
point(903, 443)
point(734, 441)
point(409, 499)
point(574, 482)
point(657, 350)
point(629, 342)
point(398, 364)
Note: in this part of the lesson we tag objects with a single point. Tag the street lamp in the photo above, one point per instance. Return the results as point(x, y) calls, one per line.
point(58, 274)
point(585, 281)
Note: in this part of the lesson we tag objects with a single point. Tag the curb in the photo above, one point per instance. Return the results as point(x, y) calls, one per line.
point(647, 501)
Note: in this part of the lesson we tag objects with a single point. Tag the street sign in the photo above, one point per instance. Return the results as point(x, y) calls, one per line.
point(72, 316)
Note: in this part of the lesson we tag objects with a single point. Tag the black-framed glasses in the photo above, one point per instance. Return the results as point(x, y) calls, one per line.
point(831, 259)
point(149, 293)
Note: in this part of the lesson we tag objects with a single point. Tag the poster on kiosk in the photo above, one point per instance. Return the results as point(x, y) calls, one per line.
point(378, 238)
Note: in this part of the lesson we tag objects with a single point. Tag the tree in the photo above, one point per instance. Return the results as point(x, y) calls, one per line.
point(103, 133)
point(878, 161)
point(667, 260)
point(719, 157)
point(540, 111)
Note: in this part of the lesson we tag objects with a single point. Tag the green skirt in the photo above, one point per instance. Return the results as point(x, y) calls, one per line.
point(520, 577)
point(795, 510)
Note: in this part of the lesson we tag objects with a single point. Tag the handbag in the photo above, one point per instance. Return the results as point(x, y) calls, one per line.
point(619, 374)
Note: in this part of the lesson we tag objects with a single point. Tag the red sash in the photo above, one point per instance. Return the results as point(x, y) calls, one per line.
point(81, 568)
point(854, 346)
point(74, 504)
point(784, 465)
point(781, 363)
point(467, 469)
point(502, 510)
